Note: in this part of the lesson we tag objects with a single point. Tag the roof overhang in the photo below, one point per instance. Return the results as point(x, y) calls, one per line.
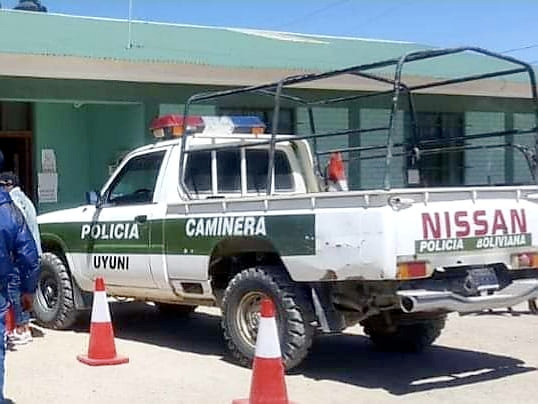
point(69, 67)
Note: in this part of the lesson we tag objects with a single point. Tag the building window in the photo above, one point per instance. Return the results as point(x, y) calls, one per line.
point(440, 140)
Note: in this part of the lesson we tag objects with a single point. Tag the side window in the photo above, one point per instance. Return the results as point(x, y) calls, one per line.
point(229, 171)
point(257, 165)
point(135, 183)
point(198, 172)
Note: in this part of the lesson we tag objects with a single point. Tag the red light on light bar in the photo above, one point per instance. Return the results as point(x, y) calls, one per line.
point(172, 125)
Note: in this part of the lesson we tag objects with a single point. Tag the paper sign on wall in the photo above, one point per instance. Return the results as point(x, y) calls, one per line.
point(48, 160)
point(47, 187)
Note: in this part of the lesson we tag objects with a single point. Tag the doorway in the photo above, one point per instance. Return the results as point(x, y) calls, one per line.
point(17, 150)
point(16, 143)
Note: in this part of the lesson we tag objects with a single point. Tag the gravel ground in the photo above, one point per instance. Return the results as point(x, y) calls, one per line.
point(478, 359)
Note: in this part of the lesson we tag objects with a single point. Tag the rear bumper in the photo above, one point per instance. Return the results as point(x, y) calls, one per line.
point(429, 299)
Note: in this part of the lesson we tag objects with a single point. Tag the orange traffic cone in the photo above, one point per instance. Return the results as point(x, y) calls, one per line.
point(102, 350)
point(10, 320)
point(268, 385)
point(336, 173)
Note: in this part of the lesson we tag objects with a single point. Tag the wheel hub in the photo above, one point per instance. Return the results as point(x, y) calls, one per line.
point(248, 316)
point(48, 292)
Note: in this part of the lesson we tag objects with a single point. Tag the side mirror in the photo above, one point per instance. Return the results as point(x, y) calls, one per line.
point(92, 198)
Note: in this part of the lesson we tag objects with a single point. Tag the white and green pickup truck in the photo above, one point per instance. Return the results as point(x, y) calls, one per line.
point(226, 214)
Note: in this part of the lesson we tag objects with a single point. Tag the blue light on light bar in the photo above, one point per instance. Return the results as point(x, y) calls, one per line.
point(247, 124)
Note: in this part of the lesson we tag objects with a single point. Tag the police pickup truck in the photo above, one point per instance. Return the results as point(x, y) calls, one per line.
point(224, 213)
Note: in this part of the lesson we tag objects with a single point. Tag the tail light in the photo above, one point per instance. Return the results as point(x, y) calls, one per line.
point(525, 260)
point(413, 270)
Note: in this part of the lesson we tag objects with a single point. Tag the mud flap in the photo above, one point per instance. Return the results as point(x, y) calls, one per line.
point(330, 320)
point(83, 300)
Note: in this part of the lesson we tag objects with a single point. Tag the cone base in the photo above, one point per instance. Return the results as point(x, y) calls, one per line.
point(117, 360)
point(247, 401)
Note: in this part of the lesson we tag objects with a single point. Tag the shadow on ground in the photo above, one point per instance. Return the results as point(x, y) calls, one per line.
point(352, 359)
point(502, 312)
point(349, 359)
point(142, 322)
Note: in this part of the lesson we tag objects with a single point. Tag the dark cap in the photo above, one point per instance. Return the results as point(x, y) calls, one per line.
point(8, 178)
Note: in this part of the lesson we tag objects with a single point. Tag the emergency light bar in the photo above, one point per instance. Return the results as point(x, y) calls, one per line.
point(171, 126)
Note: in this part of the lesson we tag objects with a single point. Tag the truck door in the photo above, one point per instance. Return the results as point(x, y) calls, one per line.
point(119, 234)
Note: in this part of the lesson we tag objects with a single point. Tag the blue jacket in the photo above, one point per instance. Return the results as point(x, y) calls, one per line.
point(16, 246)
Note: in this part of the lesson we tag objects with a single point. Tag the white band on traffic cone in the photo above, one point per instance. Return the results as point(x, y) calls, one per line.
point(343, 185)
point(267, 345)
point(340, 185)
point(100, 311)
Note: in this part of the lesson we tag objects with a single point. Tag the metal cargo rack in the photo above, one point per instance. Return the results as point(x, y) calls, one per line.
point(414, 148)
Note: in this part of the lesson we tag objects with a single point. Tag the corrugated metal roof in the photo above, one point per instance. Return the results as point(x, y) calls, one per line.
point(98, 38)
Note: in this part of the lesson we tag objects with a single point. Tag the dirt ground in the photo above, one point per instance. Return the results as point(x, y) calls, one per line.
point(478, 359)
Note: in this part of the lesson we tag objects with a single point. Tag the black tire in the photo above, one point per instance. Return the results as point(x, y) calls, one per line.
point(54, 306)
point(175, 310)
point(293, 311)
point(406, 334)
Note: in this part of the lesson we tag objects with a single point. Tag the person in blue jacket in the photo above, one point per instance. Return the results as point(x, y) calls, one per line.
point(17, 250)
point(9, 182)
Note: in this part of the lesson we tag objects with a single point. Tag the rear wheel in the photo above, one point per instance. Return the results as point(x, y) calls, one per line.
point(404, 333)
point(54, 305)
point(241, 313)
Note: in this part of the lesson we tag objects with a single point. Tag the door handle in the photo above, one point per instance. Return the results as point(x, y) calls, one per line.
point(141, 218)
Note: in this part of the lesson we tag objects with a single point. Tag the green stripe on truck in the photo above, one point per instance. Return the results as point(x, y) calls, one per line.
point(289, 234)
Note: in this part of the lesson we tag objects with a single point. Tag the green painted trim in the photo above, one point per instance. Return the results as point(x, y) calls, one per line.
point(47, 238)
point(288, 234)
point(472, 243)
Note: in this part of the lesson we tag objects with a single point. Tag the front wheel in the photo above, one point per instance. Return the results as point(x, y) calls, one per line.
point(54, 305)
point(241, 313)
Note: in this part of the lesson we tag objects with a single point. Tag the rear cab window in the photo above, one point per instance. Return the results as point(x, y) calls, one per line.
point(237, 172)
point(257, 166)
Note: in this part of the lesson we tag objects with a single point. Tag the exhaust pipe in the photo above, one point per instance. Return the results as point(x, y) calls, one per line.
point(407, 304)
point(412, 301)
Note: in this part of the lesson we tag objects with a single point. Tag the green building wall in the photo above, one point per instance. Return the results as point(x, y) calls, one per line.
point(86, 139)
point(112, 132)
point(62, 128)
